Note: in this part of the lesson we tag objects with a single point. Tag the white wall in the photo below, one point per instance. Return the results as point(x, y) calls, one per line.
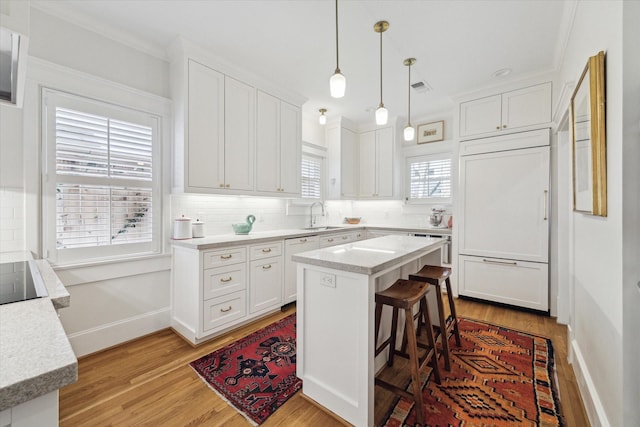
point(631, 212)
point(11, 180)
point(595, 243)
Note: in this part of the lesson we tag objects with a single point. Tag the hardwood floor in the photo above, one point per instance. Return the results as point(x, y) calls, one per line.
point(148, 381)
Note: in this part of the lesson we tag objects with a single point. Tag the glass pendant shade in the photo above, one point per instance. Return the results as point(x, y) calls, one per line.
point(337, 84)
point(382, 115)
point(409, 133)
point(322, 118)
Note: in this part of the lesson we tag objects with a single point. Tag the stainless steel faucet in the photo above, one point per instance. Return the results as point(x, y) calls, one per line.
point(312, 219)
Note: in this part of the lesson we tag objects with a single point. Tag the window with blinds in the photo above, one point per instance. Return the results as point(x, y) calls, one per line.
point(429, 178)
point(311, 181)
point(103, 180)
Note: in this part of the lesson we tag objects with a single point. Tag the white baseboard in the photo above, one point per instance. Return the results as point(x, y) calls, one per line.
point(590, 398)
point(110, 334)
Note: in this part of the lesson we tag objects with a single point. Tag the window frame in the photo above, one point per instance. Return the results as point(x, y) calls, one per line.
point(321, 180)
point(409, 159)
point(68, 256)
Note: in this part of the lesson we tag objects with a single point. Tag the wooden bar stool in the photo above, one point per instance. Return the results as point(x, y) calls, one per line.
point(435, 276)
point(405, 294)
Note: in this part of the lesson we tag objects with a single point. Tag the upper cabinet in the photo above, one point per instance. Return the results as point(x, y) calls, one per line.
point(278, 146)
point(231, 137)
point(376, 164)
point(517, 110)
point(342, 160)
point(218, 143)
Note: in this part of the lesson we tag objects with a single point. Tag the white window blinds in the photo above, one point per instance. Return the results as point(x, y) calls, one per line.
point(311, 177)
point(429, 177)
point(103, 181)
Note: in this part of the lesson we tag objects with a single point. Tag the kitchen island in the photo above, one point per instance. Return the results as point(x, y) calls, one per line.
point(335, 320)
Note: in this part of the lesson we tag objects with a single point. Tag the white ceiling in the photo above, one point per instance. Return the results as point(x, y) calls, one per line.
point(458, 44)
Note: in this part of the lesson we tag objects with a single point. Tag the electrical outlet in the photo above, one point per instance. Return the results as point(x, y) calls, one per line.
point(328, 280)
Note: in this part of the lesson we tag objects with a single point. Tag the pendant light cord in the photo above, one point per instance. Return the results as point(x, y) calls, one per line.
point(409, 98)
point(381, 104)
point(337, 56)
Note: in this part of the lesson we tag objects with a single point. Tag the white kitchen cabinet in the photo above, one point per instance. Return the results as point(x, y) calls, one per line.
point(327, 240)
point(222, 311)
point(41, 411)
point(291, 247)
point(372, 234)
point(514, 282)
point(516, 110)
point(376, 164)
point(278, 146)
point(217, 142)
point(343, 160)
point(265, 289)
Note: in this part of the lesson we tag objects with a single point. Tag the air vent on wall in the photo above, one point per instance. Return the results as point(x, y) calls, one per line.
point(421, 86)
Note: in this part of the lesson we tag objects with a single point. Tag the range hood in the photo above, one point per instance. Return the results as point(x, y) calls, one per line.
point(13, 59)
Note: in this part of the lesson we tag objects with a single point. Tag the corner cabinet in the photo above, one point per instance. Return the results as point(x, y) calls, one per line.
point(516, 110)
point(343, 160)
point(216, 144)
point(278, 146)
point(376, 164)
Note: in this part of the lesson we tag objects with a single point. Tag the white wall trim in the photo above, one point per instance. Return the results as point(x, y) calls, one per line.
point(588, 392)
point(561, 110)
point(110, 334)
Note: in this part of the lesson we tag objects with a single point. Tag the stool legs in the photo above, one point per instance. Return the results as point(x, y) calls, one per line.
point(415, 365)
point(454, 316)
point(443, 328)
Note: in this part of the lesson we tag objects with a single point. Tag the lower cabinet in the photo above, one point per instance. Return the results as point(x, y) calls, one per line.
point(519, 283)
point(291, 247)
point(221, 311)
point(265, 288)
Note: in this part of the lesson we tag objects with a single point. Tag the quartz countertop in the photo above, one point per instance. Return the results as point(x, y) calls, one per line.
point(369, 256)
point(36, 357)
point(255, 237)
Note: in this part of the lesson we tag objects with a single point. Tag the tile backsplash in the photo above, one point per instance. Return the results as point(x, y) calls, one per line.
point(12, 219)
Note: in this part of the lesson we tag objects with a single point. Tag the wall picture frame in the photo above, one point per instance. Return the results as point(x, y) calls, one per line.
point(588, 137)
point(430, 132)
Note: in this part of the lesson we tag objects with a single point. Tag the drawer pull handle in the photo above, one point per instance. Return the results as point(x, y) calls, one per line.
point(345, 237)
point(226, 256)
point(228, 279)
point(499, 262)
point(303, 240)
point(329, 240)
point(266, 251)
point(266, 267)
point(546, 204)
point(224, 310)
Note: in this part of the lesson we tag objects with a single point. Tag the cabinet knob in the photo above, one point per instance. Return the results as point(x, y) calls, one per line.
point(221, 185)
point(497, 127)
point(504, 126)
point(228, 185)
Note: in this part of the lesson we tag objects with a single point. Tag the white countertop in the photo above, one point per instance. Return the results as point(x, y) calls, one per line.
point(225, 240)
point(36, 357)
point(369, 256)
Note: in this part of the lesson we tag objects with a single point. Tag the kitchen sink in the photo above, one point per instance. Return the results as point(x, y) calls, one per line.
point(321, 228)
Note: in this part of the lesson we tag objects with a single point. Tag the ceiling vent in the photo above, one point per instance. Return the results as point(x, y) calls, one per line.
point(421, 87)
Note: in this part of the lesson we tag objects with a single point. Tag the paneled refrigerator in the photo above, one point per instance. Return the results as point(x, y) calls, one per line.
point(504, 219)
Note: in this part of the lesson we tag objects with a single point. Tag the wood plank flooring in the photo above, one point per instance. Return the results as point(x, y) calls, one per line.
point(148, 381)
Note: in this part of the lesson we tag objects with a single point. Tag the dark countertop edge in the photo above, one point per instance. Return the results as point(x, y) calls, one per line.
point(32, 388)
point(290, 234)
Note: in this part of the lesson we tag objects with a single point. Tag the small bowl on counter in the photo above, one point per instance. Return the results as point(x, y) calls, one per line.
point(352, 220)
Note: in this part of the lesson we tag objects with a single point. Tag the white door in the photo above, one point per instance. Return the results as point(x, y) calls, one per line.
point(367, 164)
point(239, 135)
point(504, 204)
point(205, 144)
point(480, 116)
point(290, 147)
point(267, 142)
point(384, 162)
point(294, 246)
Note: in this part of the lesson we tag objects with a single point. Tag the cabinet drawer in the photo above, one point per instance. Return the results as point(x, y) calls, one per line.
point(222, 257)
point(519, 283)
point(223, 310)
point(224, 280)
point(307, 241)
point(336, 239)
point(265, 251)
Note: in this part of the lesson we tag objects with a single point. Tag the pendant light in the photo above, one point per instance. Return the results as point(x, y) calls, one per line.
point(409, 131)
point(322, 119)
point(337, 82)
point(382, 114)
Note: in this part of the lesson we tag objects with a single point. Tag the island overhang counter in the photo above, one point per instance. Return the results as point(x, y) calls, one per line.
point(335, 317)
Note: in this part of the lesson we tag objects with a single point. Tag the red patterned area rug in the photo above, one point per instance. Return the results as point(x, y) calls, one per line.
point(498, 377)
point(256, 374)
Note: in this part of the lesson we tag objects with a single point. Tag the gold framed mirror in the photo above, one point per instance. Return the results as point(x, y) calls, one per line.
point(589, 147)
